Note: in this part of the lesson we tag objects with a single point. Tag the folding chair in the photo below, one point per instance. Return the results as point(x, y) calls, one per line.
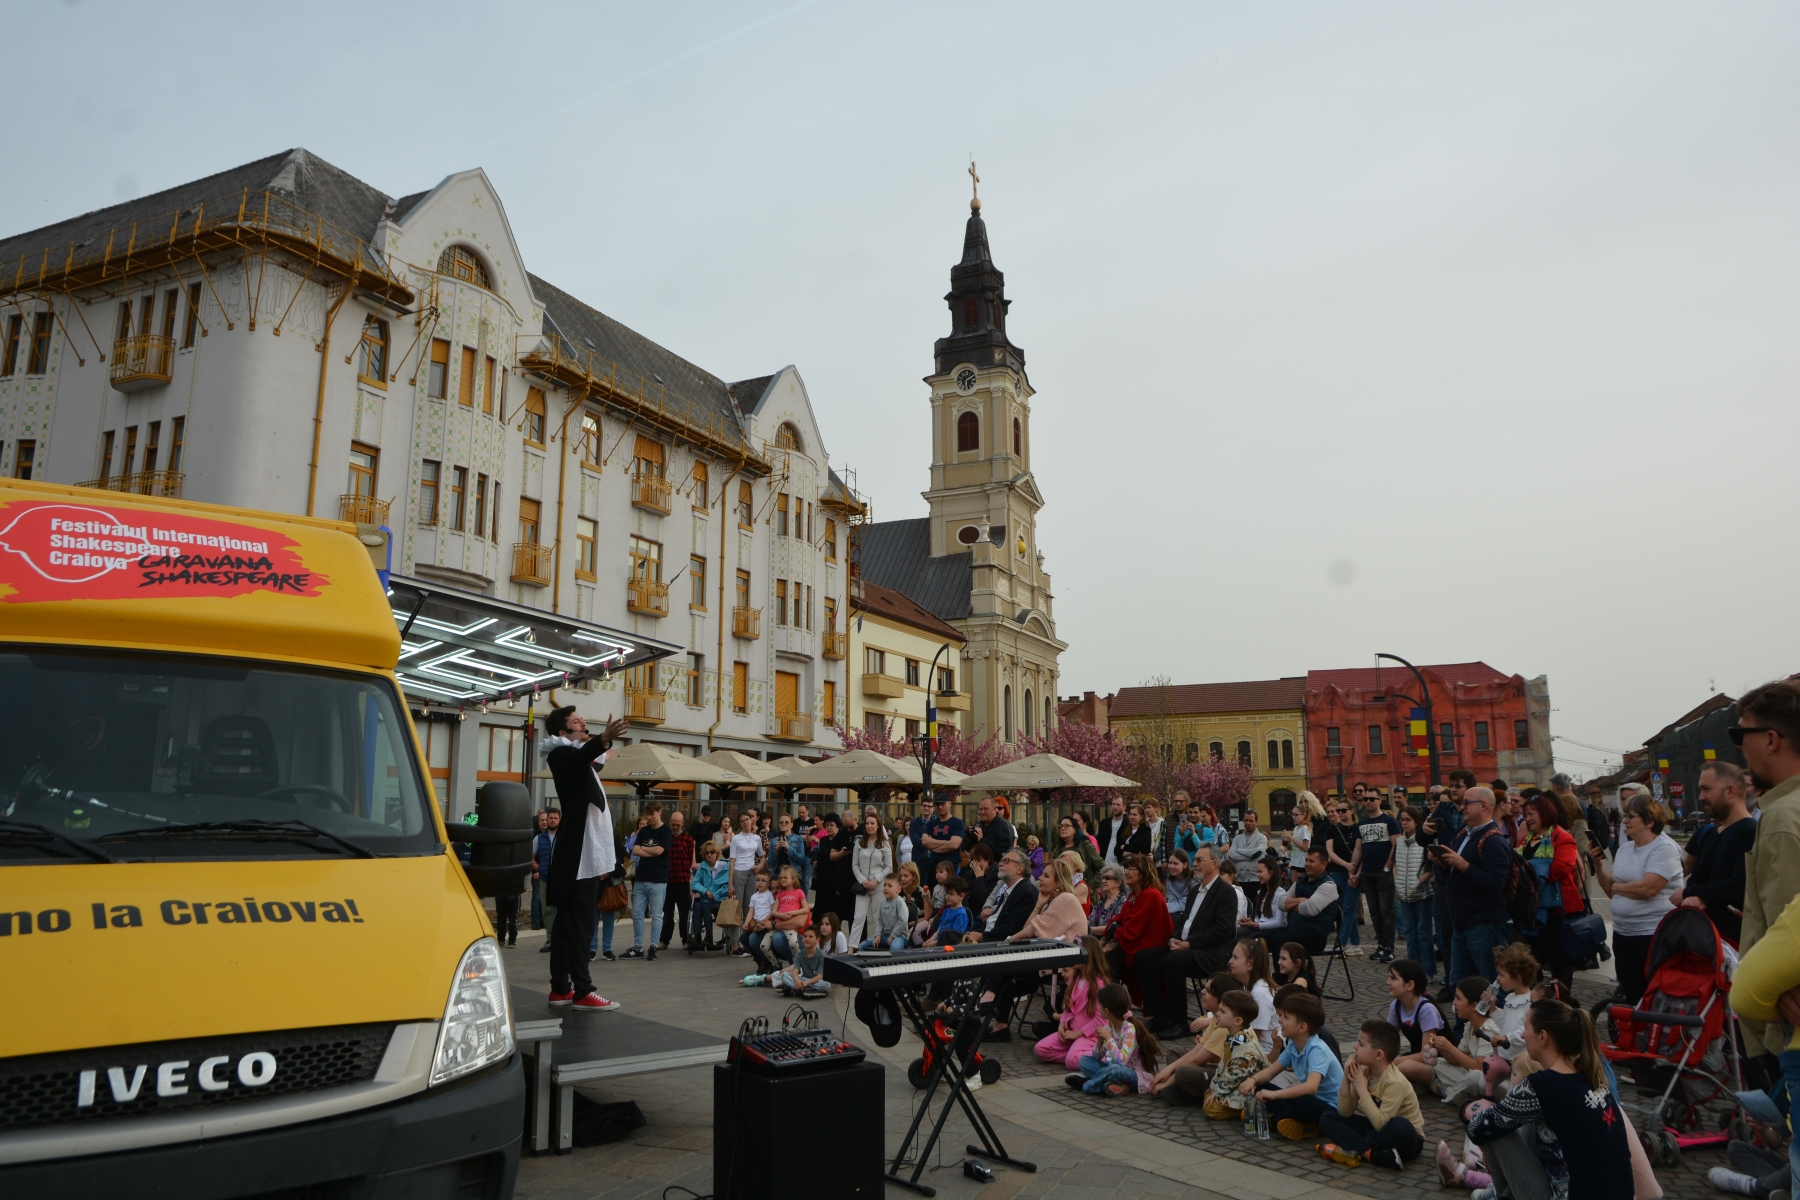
point(1334, 953)
point(1020, 1017)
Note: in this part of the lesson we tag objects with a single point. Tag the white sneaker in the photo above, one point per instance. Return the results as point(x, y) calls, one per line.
point(1735, 1182)
point(1353, 951)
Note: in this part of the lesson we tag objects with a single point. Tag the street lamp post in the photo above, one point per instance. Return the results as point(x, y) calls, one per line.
point(1431, 746)
point(925, 747)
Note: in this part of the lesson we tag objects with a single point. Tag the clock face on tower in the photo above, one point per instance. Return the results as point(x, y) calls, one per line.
point(965, 380)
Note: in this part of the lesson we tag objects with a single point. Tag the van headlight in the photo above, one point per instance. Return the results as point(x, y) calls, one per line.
point(477, 1027)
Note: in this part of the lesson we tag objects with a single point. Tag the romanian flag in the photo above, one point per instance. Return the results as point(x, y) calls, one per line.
point(1421, 733)
point(1708, 753)
point(931, 729)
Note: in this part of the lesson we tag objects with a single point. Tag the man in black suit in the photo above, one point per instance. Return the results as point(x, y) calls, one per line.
point(1201, 946)
point(1112, 833)
point(583, 853)
point(1009, 906)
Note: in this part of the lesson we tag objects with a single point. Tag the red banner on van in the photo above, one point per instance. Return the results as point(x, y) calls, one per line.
point(60, 551)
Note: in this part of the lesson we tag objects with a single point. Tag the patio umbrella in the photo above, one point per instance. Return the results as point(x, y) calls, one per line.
point(1042, 773)
point(644, 765)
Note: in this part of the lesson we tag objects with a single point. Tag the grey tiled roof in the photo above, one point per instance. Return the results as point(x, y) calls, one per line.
point(897, 554)
point(308, 181)
point(585, 328)
point(749, 392)
point(406, 204)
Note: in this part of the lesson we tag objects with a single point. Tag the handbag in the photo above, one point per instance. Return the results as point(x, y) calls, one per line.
point(614, 898)
point(730, 912)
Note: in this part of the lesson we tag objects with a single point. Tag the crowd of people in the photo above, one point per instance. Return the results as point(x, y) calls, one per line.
point(1479, 900)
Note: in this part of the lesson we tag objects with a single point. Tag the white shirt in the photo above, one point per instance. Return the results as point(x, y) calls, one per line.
point(997, 899)
point(1265, 1015)
point(761, 903)
point(1112, 843)
point(744, 849)
point(906, 848)
point(1200, 891)
point(1302, 835)
point(597, 854)
point(1659, 856)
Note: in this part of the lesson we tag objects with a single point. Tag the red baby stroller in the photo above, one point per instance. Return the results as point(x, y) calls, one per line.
point(1680, 1043)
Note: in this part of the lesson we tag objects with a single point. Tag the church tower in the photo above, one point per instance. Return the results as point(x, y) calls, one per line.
point(984, 499)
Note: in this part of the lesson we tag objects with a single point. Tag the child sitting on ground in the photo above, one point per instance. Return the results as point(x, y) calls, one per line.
point(1318, 1073)
point(952, 919)
point(1188, 1077)
point(1518, 973)
point(1459, 1070)
point(1323, 1033)
point(888, 929)
point(1377, 1118)
point(1411, 1011)
point(1117, 1066)
point(806, 978)
point(1242, 1056)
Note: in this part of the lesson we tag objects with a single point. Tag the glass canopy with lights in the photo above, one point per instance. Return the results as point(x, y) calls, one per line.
point(459, 649)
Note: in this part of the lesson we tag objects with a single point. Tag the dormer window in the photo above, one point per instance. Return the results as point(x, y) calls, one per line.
point(459, 262)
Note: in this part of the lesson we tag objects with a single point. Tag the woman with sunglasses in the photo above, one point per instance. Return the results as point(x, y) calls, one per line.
point(1339, 837)
point(1644, 874)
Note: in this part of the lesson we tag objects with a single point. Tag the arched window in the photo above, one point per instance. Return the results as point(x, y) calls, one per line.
point(1049, 723)
point(1193, 751)
point(968, 432)
point(1216, 751)
point(788, 438)
point(1243, 754)
point(1018, 440)
point(459, 262)
point(1006, 712)
point(1028, 713)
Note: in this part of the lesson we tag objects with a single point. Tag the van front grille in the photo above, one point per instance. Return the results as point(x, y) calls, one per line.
point(113, 1082)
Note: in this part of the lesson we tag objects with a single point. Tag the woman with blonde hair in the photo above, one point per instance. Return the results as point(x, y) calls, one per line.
point(1075, 873)
point(1306, 809)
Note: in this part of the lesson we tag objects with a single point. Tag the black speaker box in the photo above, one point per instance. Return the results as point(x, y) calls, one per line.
point(751, 1159)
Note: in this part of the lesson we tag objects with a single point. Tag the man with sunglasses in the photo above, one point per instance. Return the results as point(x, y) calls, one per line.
point(1768, 733)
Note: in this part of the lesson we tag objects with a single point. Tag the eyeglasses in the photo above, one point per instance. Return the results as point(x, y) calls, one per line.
point(1737, 732)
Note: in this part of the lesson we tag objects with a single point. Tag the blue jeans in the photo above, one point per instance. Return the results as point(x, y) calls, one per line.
point(1100, 1074)
point(1348, 898)
point(783, 944)
point(603, 933)
point(537, 904)
point(753, 946)
point(805, 867)
point(647, 901)
point(896, 944)
point(1415, 920)
point(705, 909)
point(1472, 951)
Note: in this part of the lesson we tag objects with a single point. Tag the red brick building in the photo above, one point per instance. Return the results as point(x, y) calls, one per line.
point(1357, 724)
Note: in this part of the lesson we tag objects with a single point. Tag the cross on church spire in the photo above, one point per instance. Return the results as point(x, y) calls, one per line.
point(974, 187)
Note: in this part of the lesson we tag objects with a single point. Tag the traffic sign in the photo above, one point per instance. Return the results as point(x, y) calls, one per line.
point(1677, 789)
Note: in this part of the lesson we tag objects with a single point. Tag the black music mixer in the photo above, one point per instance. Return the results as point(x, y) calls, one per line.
point(788, 1052)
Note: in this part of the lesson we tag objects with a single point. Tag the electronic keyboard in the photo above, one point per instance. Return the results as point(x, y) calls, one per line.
point(929, 964)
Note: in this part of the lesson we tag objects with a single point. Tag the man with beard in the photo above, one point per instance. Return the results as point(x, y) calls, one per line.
point(1717, 881)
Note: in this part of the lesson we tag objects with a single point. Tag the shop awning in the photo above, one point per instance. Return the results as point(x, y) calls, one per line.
point(460, 649)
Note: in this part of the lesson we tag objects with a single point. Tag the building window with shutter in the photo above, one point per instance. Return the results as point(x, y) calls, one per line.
point(41, 328)
point(1287, 754)
point(697, 583)
point(428, 491)
point(1375, 739)
point(371, 367)
point(646, 559)
point(743, 589)
point(487, 387)
point(465, 379)
point(590, 438)
point(459, 487)
point(696, 680)
point(781, 597)
point(26, 461)
point(830, 615)
point(830, 540)
point(530, 514)
point(912, 671)
point(193, 319)
point(829, 702)
point(587, 542)
point(808, 609)
point(874, 661)
point(534, 418)
point(740, 687)
point(746, 508)
point(481, 504)
point(968, 437)
point(702, 497)
point(9, 355)
point(437, 375)
point(1274, 755)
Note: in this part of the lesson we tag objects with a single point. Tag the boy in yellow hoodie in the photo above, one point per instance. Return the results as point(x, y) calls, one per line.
point(1768, 970)
point(1377, 1118)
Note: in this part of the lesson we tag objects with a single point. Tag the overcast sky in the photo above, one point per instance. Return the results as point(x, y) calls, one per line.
point(1457, 331)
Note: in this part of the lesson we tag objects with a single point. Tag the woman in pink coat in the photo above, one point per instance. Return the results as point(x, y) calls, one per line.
point(1077, 1027)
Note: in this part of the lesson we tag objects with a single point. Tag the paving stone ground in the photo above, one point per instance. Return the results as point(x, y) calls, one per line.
point(1085, 1147)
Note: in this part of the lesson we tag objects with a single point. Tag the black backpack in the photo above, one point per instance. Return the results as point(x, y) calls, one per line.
point(1521, 888)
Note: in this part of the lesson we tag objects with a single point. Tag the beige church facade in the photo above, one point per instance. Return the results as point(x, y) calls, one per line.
point(974, 562)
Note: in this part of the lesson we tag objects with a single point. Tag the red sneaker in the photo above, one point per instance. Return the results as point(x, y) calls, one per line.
point(595, 1002)
point(561, 997)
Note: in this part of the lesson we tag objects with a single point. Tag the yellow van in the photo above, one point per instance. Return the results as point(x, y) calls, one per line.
point(237, 958)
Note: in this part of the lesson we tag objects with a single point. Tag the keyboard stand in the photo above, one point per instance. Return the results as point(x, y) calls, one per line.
point(941, 1069)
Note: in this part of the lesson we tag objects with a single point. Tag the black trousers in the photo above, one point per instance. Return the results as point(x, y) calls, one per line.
point(675, 911)
point(1163, 978)
point(1357, 1134)
point(1311, 939)
point(506, 918)
point(570, 934)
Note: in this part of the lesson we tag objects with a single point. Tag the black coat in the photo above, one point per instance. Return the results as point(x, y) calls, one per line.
point(1020, 903)
point(578, 789)
point(1215, 928)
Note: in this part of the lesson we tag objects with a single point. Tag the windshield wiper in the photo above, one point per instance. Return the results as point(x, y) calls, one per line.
point(256, 830)
point(30, 831)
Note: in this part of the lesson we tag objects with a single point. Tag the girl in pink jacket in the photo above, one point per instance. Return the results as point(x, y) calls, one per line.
point(1079, 1025)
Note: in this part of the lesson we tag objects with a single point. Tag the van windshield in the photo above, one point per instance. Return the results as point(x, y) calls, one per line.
point(121, 756)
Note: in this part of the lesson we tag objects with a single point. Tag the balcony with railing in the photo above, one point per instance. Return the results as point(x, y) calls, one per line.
point(141, 483)
point(645, 705)
point(363, 510)
point(746, 622)
point(531, 564)
point(647, 596)
point(834, 645)
point(650, 492)
point(142, 361)
point(792, 727)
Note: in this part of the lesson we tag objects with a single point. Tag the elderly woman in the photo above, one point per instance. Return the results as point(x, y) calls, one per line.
point(1645, 873)
point(1105, 909)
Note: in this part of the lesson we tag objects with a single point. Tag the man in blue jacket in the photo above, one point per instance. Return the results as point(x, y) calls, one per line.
point(1479, 863)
